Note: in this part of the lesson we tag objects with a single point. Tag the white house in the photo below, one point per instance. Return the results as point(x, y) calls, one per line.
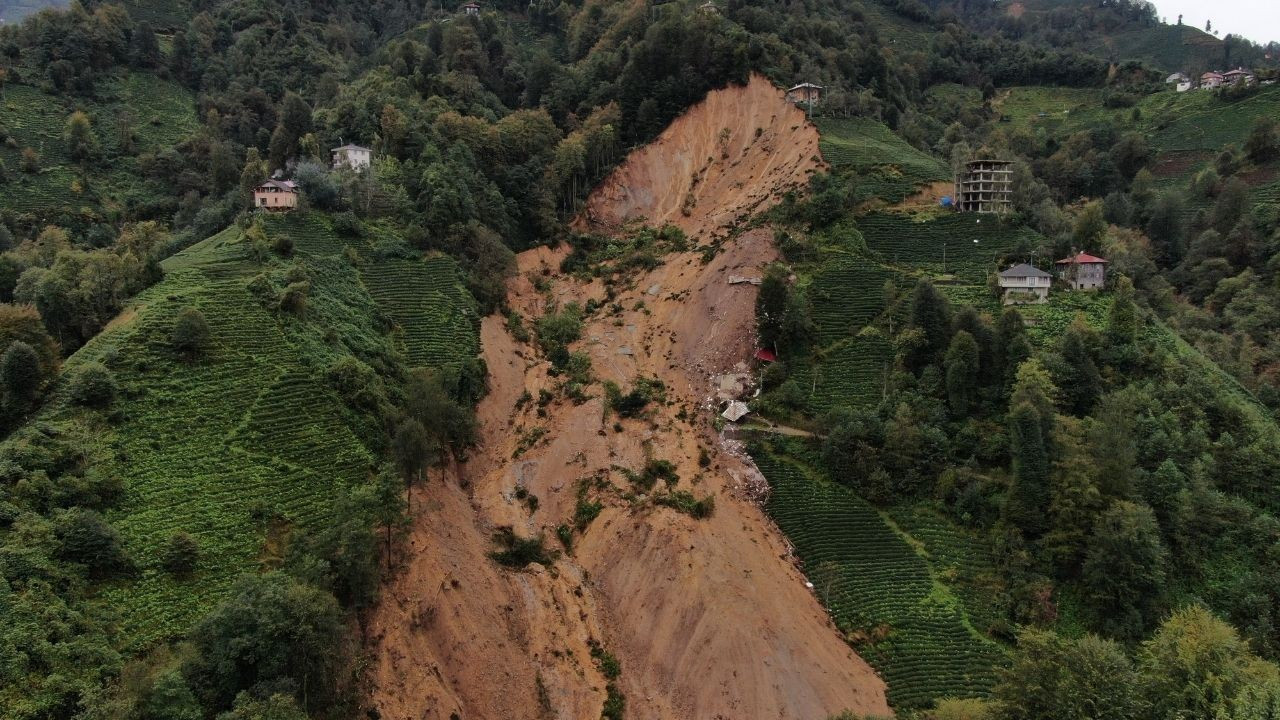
point(1211, 80)
point(471, 8)
point(1180, 81)
point(354, 157)
point(1025, 283)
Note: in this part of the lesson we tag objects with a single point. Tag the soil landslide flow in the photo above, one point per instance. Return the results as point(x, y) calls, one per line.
point(707, 618)
point(727, 157)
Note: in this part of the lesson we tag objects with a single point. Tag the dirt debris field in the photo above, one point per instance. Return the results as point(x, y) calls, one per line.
point(707, 617)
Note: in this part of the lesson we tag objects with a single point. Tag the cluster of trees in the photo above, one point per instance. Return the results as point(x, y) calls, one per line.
point(78, 289)
point(1194, 665)
point(1104, 466)
point(70, 51)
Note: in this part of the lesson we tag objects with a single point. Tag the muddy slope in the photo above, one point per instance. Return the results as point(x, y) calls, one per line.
point(707, 617)
point(727, 157)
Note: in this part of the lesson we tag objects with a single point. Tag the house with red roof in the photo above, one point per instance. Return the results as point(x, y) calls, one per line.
point(1082, 271)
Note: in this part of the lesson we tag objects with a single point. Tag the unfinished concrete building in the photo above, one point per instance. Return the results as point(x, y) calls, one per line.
point(985, 186)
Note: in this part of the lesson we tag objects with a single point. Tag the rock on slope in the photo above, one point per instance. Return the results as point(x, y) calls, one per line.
point(732, 154)
point(708, 617)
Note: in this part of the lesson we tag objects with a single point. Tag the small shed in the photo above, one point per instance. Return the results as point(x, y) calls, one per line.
point(805, 92)
point(765, 355)
point(1082, 271)
point(276, 195)
point(353, 157)
point(471, 8)
point(1025, 283)
point(735, 411)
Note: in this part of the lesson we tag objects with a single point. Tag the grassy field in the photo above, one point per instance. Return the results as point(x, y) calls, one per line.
point(884, 165)
point(1186, 129)
point(1170, 48)
point(251, 442)
point(882, 589)
point(160, 114)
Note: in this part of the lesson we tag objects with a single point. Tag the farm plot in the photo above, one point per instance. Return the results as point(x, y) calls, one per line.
point(1201, 121)
point(156, 113)
point(852, 373)
point(35, 120)
point(177, 454)
point(883, 164)
point(962, 245)
point(959, 558)
point(878, 588)
point(239, 448)
point(435, 315)
point(846, 296)
point(1046, 323)
point(309, 231)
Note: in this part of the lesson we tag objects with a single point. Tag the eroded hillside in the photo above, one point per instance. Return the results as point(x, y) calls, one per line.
point(707, 617)
point(727, 157)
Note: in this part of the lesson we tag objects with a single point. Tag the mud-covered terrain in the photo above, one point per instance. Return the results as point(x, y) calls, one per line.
point(708, 617)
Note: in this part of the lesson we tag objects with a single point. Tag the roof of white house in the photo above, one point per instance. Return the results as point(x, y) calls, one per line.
point(349, 146)
point(1177, 77)
point(805, 85)
point(1023, 270)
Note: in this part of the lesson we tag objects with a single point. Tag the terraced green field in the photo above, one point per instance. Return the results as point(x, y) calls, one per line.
point(1187, 129)
point(873, 581)
point(249, 443)
point(960, 559)
point(966, 246)
point(850, 373)
point(435, 316)
point(847, 295)
point(882, 164)
point(1168, 47)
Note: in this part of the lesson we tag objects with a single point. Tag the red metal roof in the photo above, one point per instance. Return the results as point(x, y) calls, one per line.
point(766, 355)
point(1082, 258)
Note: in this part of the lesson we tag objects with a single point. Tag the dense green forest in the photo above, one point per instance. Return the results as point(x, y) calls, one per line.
point(211, 415)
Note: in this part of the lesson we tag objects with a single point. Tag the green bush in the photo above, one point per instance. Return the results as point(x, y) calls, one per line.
point(191, 334)
point(685, 502)
point(518, 552)
point(271, 632)
point(557, 329)
point(93, 385)
point(181, 555)
point(85, 538)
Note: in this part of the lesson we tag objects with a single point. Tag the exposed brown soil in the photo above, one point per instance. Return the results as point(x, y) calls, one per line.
point(732, 154)
point(1178, 163)
point(928, 196)
point(708, 617)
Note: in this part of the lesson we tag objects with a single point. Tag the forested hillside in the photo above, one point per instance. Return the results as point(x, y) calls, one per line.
point(226, 431)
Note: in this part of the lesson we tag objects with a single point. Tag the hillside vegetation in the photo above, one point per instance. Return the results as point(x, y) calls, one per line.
point(261, 466)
